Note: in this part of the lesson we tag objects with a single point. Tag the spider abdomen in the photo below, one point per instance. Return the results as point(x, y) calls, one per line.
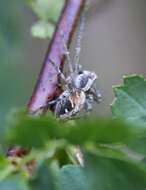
point(70, 103)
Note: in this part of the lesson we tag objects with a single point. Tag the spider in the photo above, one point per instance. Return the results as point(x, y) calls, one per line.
point(79, 91)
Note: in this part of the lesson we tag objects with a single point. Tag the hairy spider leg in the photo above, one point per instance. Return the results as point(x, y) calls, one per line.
point(80, 32)
point(52, 102)
point(67, 53)
point(77, 115)
point(59, 71)
point(96, 93)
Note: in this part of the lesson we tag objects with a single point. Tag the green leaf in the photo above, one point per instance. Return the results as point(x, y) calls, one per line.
point(112, 174)
point(139, 146)
point(42, 29)
point(27, 130)
point(42, 178)
point(14, 183)
point(117, 151)
point(6, 168)
point(100, 173)
point(130, 102)
point(102, 130)
point(46, 128)
point(72, 178)
point(48, 12)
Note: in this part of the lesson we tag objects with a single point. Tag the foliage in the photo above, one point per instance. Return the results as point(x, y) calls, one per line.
point(48, 12)
point(130, 102)
point(109, 147)
point(113, 149)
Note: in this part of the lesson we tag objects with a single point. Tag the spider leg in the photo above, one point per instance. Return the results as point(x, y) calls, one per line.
point(67, 53)
point(62, 76)
point(52, 102)
point(77, 115)
point(97, 96)
point(78, 43)
point(88, 106)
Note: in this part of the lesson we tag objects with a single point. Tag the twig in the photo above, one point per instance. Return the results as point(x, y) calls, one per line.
point(47, 85)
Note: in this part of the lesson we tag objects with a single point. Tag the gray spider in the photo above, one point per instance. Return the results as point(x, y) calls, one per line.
point(79, 90)
point(78, 95)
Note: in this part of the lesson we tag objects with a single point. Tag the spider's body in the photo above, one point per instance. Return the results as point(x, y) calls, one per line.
point(79, 90)
point(78, 95)
point(69, 104)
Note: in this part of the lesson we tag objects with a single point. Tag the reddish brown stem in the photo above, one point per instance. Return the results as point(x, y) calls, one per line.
point(47, 85)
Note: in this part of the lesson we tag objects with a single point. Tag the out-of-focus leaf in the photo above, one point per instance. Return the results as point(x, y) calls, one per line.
point(139, 146)
point(6, 168)
point(39, 130)
point(30, 130)
point(14, 183)
point(117, 151)
point(42, 178)
point(112, 174)
point(48, 12)
point(42, 29)
point(72, 177)
point(103, 173)
point(103, 130)
point(130, 102)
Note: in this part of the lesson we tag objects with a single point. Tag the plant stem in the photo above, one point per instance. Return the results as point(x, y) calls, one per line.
point(47, 87)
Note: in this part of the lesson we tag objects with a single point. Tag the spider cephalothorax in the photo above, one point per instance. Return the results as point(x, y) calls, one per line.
point(84, 80)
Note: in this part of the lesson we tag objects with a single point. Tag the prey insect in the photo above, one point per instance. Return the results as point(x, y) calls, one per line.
point(79, 86)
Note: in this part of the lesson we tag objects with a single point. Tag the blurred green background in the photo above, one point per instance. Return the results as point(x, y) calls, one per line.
point(20, 55)
point(114, 45)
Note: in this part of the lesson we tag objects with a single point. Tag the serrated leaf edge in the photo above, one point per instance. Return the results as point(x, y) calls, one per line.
point(116, 87)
